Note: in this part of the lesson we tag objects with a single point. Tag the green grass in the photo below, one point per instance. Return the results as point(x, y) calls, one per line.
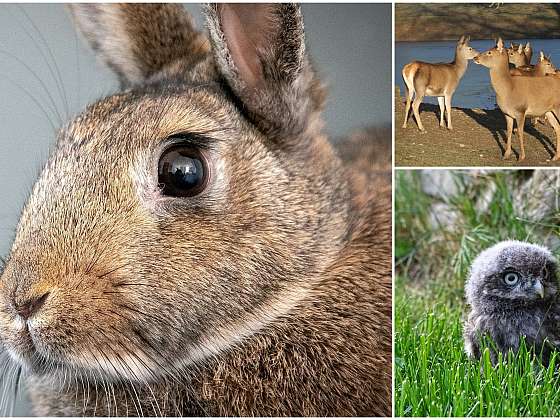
point(433, 375)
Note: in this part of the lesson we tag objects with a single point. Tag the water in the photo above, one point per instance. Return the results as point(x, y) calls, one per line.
point(474, 90)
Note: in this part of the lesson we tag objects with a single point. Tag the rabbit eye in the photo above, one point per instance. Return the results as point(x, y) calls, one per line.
point(182, 171)
point(511, 278)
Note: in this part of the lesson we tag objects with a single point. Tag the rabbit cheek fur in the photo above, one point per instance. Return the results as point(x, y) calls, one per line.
point(268, 293)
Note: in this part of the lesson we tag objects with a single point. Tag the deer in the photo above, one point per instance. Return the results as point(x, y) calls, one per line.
point(520, 97)
point(436, 79)
point(543, 67)
point(526, 52)
point(518, 59)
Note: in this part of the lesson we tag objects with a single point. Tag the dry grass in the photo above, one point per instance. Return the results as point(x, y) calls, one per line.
point(439, 22)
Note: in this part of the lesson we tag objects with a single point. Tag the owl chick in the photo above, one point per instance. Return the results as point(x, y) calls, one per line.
point(512, 291)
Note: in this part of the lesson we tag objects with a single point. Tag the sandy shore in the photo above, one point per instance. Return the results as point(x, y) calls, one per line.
point(478, 138)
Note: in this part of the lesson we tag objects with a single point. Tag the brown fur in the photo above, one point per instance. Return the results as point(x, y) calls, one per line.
point(267, 294)
point(543, 67)
point(520, 96)
point(440, 80)
point(519, 55)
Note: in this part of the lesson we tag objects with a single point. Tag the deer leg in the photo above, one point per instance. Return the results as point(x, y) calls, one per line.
point(448, 106)
point(441, 102)
point(509, 122)
point(409, 95)
point(520, 131)
point(415, 108)
point(550, 116)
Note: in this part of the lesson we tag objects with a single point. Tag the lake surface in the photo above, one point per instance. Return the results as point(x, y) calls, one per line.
point(474, 90)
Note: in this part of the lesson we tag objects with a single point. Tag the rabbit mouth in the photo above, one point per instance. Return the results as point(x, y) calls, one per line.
point(36, 358)
point(24, 351)
point(25, 355)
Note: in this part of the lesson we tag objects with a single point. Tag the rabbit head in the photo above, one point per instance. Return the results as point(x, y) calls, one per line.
point(184, 213)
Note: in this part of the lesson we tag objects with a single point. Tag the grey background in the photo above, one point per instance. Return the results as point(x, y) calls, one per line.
point(46, 68)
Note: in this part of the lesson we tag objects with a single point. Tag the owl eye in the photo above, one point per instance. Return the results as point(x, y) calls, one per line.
point(511, 278)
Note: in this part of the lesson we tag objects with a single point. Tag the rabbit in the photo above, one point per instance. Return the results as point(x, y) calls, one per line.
point(195, 245)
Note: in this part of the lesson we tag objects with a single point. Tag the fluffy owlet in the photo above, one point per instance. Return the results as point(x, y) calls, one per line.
point(512, 291)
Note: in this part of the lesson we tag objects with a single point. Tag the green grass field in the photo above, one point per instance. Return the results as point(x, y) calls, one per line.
point(433, 376)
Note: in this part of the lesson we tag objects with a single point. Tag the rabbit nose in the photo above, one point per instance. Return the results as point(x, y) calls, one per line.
point(31, 306)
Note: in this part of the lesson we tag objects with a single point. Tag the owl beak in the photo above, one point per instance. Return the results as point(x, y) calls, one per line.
point(538, 288)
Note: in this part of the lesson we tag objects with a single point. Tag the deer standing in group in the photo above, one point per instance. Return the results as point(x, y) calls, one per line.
point(543, 67)
point(519, 97)
point(441, 80)
point(520, 56)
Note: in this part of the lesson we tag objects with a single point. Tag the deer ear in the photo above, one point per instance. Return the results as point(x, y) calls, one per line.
point(461, 40)
point(527, 46)
point(541, 56)
point(138, 40)
point(500, 45)
point(520, 49)
point(260, 51)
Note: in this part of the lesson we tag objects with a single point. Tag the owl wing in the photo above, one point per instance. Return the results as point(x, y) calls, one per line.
point(552, 326)
point(471, 338)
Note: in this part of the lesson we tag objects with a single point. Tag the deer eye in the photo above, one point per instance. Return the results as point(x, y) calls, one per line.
point(183, 171)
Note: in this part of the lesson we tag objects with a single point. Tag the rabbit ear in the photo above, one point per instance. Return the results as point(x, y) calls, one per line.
point(139, 40)
point(260, 51)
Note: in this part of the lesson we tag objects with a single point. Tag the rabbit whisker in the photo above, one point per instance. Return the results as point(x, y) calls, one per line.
point(138, 311)
point(137, 399)
point(58, 79)
point(17, 384)
point(113, 270)
point(35, 101)
point(5, 380)
point(107, 400)
point(86, 400)
point(101, 379)
point(6, 365)
point(147, 343)
point(77, 50)
point(150, 286)
point(36, 76)
point(76, 388)
point(136, 357)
